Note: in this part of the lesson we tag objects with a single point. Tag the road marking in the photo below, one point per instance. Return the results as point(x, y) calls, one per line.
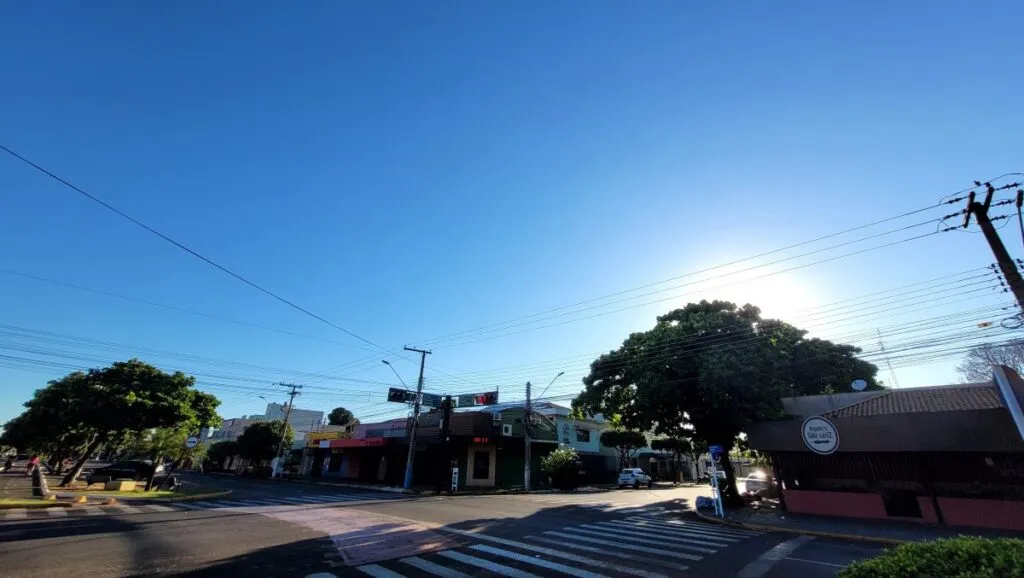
point(605, 533)
point(646, 560)
point(188, 505)
point(157, 508)
point(16, 514)
point(208, 504)
point(92, 511)
point(430, 567)
point(539, 562)
point(709, 527)
point(709, 531)
point(562, 555)
point(720, 541)
point(486, 565)
point(379, 571)
point(815, 562)
point(635, 548)
point(56, 512)
point(250, 503)
point(769, 559)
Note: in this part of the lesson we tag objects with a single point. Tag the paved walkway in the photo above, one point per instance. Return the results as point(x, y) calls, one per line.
point(891, 531)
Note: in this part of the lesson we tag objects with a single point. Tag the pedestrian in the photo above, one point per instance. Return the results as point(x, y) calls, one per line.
point(8, 464)
point(32, 464)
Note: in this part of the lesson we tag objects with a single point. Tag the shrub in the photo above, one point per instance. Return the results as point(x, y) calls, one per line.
point(562, 466)
point(962, 557)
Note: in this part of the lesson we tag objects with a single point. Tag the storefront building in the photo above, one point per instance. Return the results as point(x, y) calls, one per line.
point(942, 455)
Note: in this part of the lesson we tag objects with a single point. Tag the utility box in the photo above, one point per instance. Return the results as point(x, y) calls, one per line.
point(120, 486)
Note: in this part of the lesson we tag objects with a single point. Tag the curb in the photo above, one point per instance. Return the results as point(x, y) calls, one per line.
point(817, 533)
point(197, 497)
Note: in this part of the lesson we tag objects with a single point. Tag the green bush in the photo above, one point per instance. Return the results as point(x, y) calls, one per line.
point(961, 557)
point(562, 466)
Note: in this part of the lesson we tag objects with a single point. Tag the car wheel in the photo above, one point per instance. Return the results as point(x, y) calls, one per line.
point(621, 486)
point(649, 484)
point(636, 485)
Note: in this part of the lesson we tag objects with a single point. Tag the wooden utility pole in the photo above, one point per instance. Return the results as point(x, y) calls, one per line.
point(284, 426)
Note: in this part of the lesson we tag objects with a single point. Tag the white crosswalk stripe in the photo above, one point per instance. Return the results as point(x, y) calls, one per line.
point(16, 514)
point(637, 546)
point(57, 512)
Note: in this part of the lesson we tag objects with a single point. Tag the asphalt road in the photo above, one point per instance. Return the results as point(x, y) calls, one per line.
point(282, 529)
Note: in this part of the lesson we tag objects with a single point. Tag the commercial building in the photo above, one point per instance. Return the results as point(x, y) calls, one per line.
point(231, 428)
point(302, 421)
point(949, 454)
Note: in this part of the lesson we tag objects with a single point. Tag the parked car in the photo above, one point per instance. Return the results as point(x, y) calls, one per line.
point(634, 477)
point(759, 484)
point(138, 470)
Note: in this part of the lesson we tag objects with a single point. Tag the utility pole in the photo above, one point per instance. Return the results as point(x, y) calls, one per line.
point(407, 484)
point(1003, 260)
point(444, 464)
point(284, 426)
point(527, 422)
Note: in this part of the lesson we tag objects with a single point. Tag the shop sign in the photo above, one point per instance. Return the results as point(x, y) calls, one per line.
point(820, 435)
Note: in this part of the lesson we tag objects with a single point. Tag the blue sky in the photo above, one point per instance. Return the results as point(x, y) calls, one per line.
point(412, 170)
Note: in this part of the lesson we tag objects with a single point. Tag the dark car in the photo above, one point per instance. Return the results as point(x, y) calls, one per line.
point(138, 470)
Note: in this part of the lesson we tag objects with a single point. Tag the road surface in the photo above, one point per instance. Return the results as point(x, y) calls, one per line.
point(296, 530)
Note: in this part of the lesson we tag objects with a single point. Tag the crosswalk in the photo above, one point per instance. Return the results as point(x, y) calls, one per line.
point(616, 506)
point(645, 546)
point(18, 514)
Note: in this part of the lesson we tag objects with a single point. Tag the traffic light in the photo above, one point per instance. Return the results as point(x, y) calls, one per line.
point(489, 398)
point(398, 395)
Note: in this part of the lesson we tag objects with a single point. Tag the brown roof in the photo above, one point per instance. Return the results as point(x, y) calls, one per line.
point(971, 396)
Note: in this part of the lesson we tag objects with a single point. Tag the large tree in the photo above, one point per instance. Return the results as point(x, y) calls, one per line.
point(259, 442)
point(341, 416)
point(977, 364)
point(625, 443)
point(712, 368)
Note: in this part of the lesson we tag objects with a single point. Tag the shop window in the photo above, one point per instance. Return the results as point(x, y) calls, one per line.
point(481, 465)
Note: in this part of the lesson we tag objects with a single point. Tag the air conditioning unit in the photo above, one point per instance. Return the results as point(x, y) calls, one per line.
point(506, 429)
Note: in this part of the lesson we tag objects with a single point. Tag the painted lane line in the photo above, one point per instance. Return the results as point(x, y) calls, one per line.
point(698, 530)
point(379, 571)
point(605, 533)
point(500, 569)
point(805, 560)
point(16, 514)
point(632, 547)
point(719, 541)
point(188, 506)
point(158, 508)
point(431, 568)
point(645, 560)
point(92, 511)
point(56, 512)
point(539, 562)
point(562, 555)
point(765, 562)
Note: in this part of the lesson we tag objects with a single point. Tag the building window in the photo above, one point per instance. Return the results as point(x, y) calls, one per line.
point(582, 435)
point(481, 465)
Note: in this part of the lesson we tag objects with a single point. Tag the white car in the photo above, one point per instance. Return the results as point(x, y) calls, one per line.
point(634, 477)
point(759, 483)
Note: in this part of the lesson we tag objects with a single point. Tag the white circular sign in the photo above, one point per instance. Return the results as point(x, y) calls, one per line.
point(820, 436)
point(191, 442)
point(859, 385)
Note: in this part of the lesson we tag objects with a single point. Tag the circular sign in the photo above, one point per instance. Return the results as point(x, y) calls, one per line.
point(191, 442)
point(820, 436)
point(859, 385)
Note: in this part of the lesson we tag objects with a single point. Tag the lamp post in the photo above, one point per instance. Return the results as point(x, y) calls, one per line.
point(527, 422)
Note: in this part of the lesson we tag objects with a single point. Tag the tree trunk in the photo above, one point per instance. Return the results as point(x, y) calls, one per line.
point(152, 475)
point(730, 494)
point(167, 476)
point(77, 470)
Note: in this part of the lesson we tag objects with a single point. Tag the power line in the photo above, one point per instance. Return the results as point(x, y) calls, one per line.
point(183, 247)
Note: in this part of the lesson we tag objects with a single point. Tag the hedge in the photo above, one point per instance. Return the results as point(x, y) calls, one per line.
point(961, 557)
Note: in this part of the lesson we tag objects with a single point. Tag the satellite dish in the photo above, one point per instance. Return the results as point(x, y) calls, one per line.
point(859, 385)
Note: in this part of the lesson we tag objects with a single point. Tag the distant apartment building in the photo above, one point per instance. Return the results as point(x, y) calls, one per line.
point(302, 421)
point(231, 428)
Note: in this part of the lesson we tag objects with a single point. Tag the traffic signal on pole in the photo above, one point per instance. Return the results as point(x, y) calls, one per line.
point(398, 395)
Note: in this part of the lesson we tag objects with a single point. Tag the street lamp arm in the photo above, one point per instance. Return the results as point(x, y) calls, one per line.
point(560, 374)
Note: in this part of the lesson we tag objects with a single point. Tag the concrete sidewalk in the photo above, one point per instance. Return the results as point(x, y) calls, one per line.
point(880, 531)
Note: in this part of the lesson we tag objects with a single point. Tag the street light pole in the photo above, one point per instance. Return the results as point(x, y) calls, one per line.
point(407, 483)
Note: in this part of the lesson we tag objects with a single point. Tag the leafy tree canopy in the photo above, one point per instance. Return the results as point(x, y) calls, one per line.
point(625, 442)
point(712, 368)
point(341, 416)
point(258, 443)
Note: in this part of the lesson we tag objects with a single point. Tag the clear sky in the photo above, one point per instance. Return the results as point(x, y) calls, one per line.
point(410, 170)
